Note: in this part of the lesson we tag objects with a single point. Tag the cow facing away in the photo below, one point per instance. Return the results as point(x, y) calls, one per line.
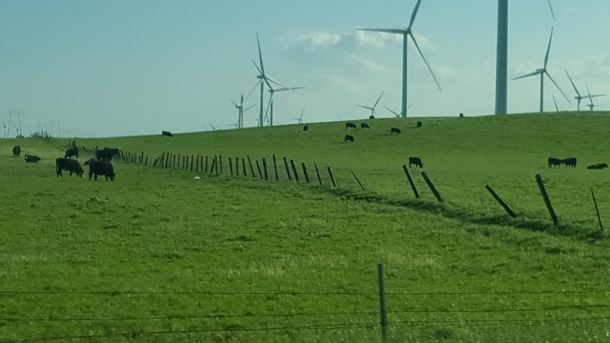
point(305, 128)
point(348, 138)
point(166, 134)
point(598, 166)
point(100, 168)
point(350, 125)
point(70, 165)
point(416, 161)
point(107, 154)
point(32, 159)
point(71, 152)
point(419, 124)
point(16, 151)
point(394, 130)
point(364, 126)
point(555, 162)
point(570, 162)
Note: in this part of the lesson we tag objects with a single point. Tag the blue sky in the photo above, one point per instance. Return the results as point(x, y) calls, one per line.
point(115, 67)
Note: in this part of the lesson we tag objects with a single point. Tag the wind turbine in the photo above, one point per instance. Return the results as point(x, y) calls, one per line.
point(578, 96)
point(241, 110)
point(396, 114)
point(502, 56)
point(555, 102)
point(214, 127)
point(4, 133)
point(300, 119)
point(542, 71)
point(262, 80)
point(372, 108)
point(405, 38)
point(591, 105)
point(272, 91)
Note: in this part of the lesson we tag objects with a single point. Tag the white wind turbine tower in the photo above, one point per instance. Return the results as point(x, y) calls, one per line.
point(394, 113)
point(240, 111)
point(268, 114)
point(405, 38)
point(542, 71)
point(300, 119)
point(372, 108)
point(262, 80)
point(502, 56)
point(578, 96)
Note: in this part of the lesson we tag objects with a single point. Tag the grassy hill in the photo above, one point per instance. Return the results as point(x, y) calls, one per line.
point(161, 256)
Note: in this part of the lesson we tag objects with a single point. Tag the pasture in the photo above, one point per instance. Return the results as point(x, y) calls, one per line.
point(159, 256)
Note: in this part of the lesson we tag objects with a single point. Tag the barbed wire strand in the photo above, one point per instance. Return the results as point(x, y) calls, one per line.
point(506, 310)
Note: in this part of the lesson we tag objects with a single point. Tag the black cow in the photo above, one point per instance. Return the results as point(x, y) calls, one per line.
point(419, 124)
point(68, 164)
point(71, 152)
point(598, 166)
point(32, 158)
point(348, 125)
point(166, 134)
point(461, 115)
point(394, 130)
point(16, 151)
point(570, 162)
point(416, 161)
point(107, 154)
point(348, 138)
point(371, 117)
point(364, 126)
point(305, 128)
point(100, 168)
point(554, 162)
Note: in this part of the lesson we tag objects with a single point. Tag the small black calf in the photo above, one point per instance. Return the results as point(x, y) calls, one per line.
point(32, 158)
point(305, 128)
point(71, 152)
point(394, 130)
point(419, 124)
point(348, 138)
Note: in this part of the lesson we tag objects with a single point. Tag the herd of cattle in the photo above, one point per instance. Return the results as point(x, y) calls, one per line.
point(100, 165)
point(571, 162)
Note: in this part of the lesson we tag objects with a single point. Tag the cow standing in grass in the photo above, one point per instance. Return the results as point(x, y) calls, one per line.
point(100, 168)
point(70, 165)
point(555, 162)
point(570, 162)
point(71, 152)
point(416, 161)
point(395, 130)
point(166, 134)
point(107, 154)
point(364, 126)
point(348, 138)
point(16, 151)
point(350, 125)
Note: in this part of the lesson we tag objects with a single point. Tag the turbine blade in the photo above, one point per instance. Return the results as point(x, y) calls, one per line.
point(395, 31)
point(300, 118)
point(269, 104)
point(255, 86)
point(396, 114)
point(556, 85)
point(368, 108)
point(234, 103)
point(414, 14)
point(257, 68)
point(376, 102)
point(588, 93)
point(426, 61)
point(249, 107)
point(555, 102)
point(260, 54)
point(552, 12)
point(548, 49)
point(277, 83)
point(527, 75)
point(572, 82)
point(409, 106)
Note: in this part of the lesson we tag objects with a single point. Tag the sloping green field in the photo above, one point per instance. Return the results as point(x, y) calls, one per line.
point(160, 256)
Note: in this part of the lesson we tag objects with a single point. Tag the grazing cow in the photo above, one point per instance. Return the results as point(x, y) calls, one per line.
point(166, 134)
point(419, 124)
point(461, 115)
point(348, 138)
point(16, 151)
point(554, 162)
point(598, 166)
point(394, 130)
point(32, 158)
point(348, 125)
point(71, 152)
point(570, 162)
point(100, 168)
point(364, 126)
point(107, 154)
point(305, 128)
point(68, 164)
point(371, 117)
point(416, 161)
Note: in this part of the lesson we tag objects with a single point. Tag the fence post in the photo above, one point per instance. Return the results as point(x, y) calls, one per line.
point(275, 169)
point(332, 179)
point(146, 161)
point(174, 162)
point(382, 306)
point(259, 169)
point(305, 172)
point(318, 173)
point(251, 168)
point(287, 170)
point(501, 202)
point(197, 164)
point(193, 159)
point(404, 166)
point(360, 183)
point(294, 171)
point(243, 166)
point(599, 218)
point(162, 159)
point(216, 160)
point(220, 162)
point(265, 168)
point(183, 161)
point(142, 157)
point(206, 163)
point(231, 166)
point(431, 186)
point(546, 199)
point(212, 165)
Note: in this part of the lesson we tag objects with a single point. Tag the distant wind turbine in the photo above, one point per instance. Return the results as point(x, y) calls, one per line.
point(300, 119)
point(555, 102)
point(4, 125)
point(214, 127)
point(268, 113)
point(591, 105)
point(406, 32)
point(372, 108)
point(579, 97)
point(396, 114)
point(542, 71)
point(241, 111)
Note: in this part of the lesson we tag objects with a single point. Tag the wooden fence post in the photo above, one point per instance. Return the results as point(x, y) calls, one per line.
point(360, 183)
point(275, 169)
point(305, 172)
point(287, 169)
point(174, 161)
point(243, 166)
point(501, 202)
point(162, 159)
point(431, 186)
point(142, 157)
point(212, 166)
point(599, 218)
point(220, 162)
point(231, 166)
point(294, 171)
point(197, 164)
point(259, 169)
point(251, 168)
point(318, 173)
point(404, 167)
point(382, 305)
point(546, 199)
point(332, 179)
point(265, 168)
point(206, 163)
point(216, 159)
point(193, 159)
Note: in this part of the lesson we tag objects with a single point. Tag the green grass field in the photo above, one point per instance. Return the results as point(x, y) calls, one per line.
point(160, 256)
